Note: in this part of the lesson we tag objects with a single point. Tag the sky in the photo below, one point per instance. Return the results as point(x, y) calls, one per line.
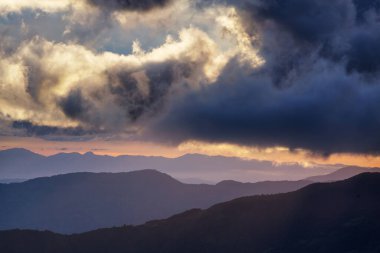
point(280, 80)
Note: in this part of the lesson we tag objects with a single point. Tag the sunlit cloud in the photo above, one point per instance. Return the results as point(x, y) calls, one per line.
point(8, 6)
point(57, 84)
point(279, 155)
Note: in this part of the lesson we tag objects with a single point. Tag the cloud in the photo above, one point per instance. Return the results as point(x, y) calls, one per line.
point(131, 5)
point(301, 74)
point(309, 20)
point(57, 85)
point(317, 91)
point(8, 6)
point(364, 52)
point(365, 8)
point(34, 130)
point(325, 112)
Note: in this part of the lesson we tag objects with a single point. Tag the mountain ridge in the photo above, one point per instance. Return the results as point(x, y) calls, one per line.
point(206, 168)
point(342, 174)
point(79, 202)
point(322, 217)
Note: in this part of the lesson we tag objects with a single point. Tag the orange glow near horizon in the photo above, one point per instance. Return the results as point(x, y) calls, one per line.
point(115, 148)
point(99, 147)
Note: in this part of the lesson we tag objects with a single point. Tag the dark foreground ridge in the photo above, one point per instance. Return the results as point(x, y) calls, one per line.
point(324, 217)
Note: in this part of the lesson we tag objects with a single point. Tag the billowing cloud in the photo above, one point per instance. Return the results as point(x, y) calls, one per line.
point(55, 85)
point(318, 91)
point(325, 111)
point(300, 74)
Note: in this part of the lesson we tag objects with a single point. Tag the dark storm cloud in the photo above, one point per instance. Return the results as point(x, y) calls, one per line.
point(364, 53)
point(131, 5)
point(295, 33)
point(324, 112)
point(31, 129)
point(300, 29)
point(309, 20)
point(364, 7)
point(313, 92)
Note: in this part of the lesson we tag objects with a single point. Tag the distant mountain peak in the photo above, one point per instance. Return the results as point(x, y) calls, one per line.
point(18, 152)
point(342, 174)
point(193, 155)
point(228, 183)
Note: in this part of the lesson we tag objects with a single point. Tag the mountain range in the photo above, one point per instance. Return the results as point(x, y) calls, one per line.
point(323, 217)
point(79, 202)
point(83, 201)
point(194, 168)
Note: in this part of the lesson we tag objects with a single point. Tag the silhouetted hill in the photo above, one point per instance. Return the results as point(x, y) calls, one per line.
point(21, 163)
point(342, 174)
point(324, 217)
point(84, 201)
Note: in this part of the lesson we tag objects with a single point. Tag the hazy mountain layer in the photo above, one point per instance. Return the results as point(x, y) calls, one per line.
point(329, 217)
point(85, 201)
point(342, 174)
point(21, 163)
